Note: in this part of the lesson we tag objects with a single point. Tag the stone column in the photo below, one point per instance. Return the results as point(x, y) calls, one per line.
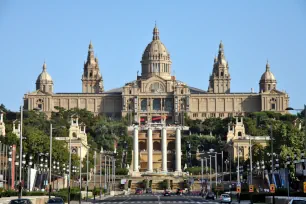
point(164, 149)
point(178, 167)
point(150, 150)
point(1, 117)
point(135, 150)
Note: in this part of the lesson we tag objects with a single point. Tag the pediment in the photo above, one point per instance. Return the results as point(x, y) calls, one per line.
point(274, 91)
point(38, 92)
point(155, 78)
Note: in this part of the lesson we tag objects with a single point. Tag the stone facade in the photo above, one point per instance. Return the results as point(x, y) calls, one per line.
point(2, 125)
point(77, 138)
point(156, 95)
point(237, 139)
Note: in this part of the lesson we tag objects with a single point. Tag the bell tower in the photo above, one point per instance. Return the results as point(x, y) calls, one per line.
point(92, 81)
point(220, 79)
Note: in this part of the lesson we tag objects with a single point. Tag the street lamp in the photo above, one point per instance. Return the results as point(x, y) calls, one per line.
point(20, 150)
point(226, 163)
point(290, 108)
point(288, 162)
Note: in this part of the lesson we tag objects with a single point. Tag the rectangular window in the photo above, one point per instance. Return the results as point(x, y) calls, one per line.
point(273, 106)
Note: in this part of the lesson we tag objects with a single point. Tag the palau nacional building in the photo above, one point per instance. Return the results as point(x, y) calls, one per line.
point(158, 101)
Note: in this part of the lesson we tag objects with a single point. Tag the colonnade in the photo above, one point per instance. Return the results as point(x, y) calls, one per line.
point(178, 155)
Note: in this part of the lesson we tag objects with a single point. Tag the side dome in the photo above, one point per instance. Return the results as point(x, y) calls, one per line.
point(156, 58)
point(267, 81)
point(44, 75)
point(268, 75)
point(44, 81)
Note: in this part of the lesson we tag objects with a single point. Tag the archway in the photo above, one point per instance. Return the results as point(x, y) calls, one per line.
point(142, 146)
point(171, 146)
point(156, 146)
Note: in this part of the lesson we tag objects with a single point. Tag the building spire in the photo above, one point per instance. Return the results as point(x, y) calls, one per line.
point(155, 32)
point(44, 66)
point(267, 66)
point(90, 47)
point(221, 46)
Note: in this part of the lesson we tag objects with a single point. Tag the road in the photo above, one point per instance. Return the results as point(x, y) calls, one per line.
point(154, 199)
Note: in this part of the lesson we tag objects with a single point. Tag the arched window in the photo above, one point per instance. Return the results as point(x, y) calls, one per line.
point(144, 105)
point(156, 104)
point(74, 135)
point(239, 134)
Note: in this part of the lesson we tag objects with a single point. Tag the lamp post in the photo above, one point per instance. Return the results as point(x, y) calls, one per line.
point(80, 199)
point(101, 156)
point(290, 108)
point(87, 167)
point(226, 163)
point(212, 151)
point(20, 150)
point(288, 162)
point(69, 170)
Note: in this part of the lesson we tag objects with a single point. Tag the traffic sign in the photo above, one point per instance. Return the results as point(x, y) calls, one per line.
point(251, 188)
point(304, 187)
point(238, 189)
point(272, 188)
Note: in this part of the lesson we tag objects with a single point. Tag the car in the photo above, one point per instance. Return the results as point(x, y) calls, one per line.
point(149, 190)
point(138, 191)
point(56, 201)
point(225, 198)
point(297, 201)
point(210, 196)
point(20, 201)
point(167, 193)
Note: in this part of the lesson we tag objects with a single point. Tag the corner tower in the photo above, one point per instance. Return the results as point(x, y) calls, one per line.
point(92, 81)
point(44, 81)
point(267, 81)
point(220, 79)
point(156, 59)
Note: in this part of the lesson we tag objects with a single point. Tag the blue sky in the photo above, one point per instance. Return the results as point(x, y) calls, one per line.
point(59, 32)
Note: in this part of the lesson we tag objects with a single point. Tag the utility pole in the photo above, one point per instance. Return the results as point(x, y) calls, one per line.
point(69, 177)
point(216, 167)
point(210, 179)
point(80, 199)
point(202, 164)
point(101, 173)
point(87, 167)
point(251, 162)
point(222, 166)
point(95, 169)
point(50, 160)
point(20, 153)
point(105, 172)
point(238, 170)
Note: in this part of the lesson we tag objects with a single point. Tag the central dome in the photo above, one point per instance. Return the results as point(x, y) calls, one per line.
point(156, 58)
